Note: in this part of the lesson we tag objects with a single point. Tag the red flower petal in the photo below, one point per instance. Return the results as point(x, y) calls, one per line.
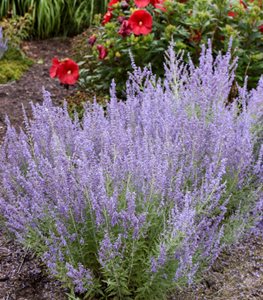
point(125, 29)
point(55, 61)
point(158, 4)
point(231, 14)
point(53, 71)
point(142, 3)
point(92, 39)
point(103, 52)
point(54, 67)
point(112, 2)
point(107, 17)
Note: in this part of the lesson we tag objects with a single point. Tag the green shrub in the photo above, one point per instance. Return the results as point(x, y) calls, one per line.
point(17, 28)
point(190, 24)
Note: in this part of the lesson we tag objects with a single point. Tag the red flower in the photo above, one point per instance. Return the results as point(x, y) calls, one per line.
point(102, 52)
point(141, 22)
point(231, 14)
point(260, 28)
point(112, 2)
point(68, 72)
point(158, 4)
point(54, 68)
point(142, 3)
point(125, 29)
point(107, 17)
point(92, 39)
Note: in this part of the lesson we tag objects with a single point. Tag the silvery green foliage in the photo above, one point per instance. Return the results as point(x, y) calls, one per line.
point(3, 44)
point(132, 201)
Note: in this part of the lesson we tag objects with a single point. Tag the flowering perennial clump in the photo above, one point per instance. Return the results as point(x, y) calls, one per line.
point(3, 43)
point(131, 202)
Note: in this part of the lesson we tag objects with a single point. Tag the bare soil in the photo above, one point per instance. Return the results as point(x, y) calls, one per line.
point(236, 275)
point(23, 276)
point(29, 88)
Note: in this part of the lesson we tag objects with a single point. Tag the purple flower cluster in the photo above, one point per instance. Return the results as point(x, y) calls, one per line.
point(79, 276)
point(140, 192)
point(3, 43)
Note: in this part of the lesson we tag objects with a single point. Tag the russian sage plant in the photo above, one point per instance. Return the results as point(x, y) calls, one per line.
point(3, 44)
point(130, 203)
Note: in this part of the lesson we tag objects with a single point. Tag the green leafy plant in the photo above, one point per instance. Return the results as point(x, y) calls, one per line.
point(188, 23)
point(17, 28)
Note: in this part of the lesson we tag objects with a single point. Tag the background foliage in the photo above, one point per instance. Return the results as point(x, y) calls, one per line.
point(190, 24)
point(17, 28)
point(54, 17)
point(14, 62)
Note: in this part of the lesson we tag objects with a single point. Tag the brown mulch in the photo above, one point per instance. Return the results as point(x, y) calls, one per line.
point(23, 276)
point(236, 275)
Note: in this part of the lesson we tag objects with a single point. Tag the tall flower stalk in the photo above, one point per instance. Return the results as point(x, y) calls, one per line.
point(3, 44)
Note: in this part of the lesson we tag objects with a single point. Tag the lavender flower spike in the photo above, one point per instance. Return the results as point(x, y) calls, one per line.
point(3, 43)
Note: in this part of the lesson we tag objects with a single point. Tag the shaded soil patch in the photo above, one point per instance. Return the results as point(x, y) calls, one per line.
point(23, 276)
